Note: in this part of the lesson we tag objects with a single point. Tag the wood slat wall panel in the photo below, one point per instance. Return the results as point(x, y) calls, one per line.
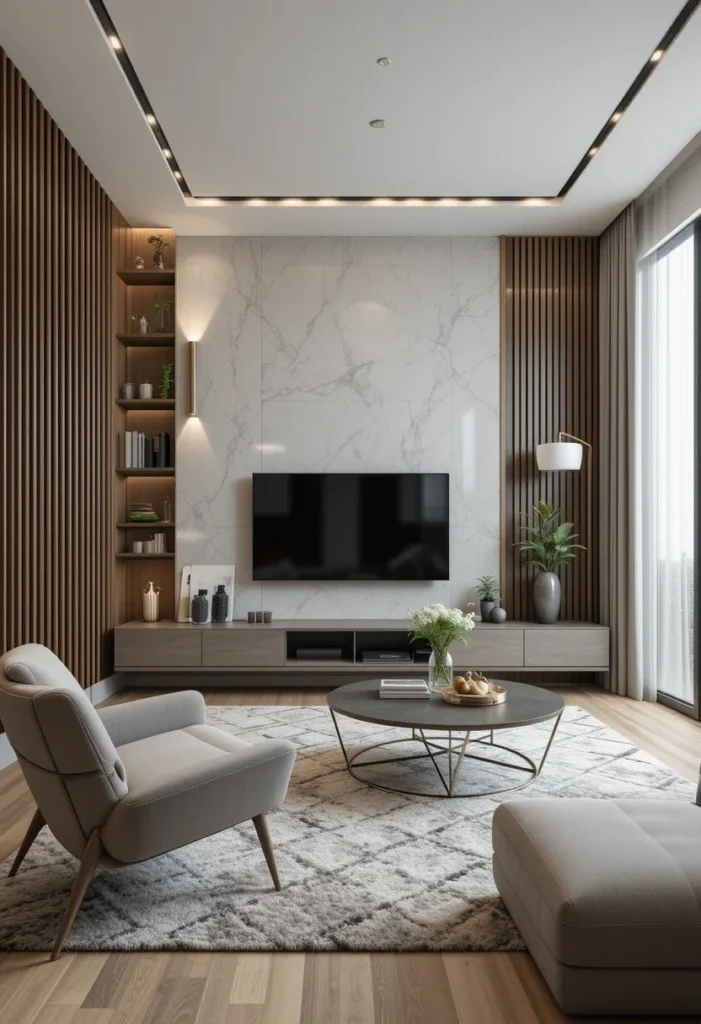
point(549, 359)
point(56, 538)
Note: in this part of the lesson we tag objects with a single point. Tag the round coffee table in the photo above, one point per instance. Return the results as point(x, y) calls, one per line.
point(524, 705)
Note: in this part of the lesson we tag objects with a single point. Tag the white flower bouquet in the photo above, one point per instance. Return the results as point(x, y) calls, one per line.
point(441, 627)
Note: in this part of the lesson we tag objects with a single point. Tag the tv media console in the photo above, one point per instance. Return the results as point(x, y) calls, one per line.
point(245, 649)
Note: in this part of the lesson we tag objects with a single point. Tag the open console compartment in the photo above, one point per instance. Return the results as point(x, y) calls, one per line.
point(319, 647)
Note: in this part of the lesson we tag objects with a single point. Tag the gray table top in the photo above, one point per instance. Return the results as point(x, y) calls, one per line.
point(524, 705)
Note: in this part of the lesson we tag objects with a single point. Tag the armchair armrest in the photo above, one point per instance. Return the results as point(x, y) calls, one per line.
point(152, 716)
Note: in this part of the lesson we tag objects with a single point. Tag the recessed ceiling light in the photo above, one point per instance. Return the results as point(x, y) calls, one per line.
point(151, 119)
point(593, 151)
point(378, 122)
point(178, 175)
point(383, 61)
point(616, 117)
point(115, 43)
point(657, 55)
point(167, 154)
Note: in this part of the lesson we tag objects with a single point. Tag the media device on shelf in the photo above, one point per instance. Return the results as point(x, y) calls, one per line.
point(351, 526)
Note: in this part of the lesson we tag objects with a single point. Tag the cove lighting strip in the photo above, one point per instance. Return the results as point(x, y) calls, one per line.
point(122, 58)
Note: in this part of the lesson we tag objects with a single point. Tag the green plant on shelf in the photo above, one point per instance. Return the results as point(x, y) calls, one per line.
point(163, 309)
point(167, 375)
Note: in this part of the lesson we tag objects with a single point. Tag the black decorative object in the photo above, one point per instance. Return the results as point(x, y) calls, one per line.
point(220, 604)
point(200, 607)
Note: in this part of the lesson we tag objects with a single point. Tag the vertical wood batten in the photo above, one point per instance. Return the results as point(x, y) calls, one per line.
point(549, 360)
point(56, 233)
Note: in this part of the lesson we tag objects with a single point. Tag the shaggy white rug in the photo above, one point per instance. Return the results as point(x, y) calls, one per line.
point(361, 869)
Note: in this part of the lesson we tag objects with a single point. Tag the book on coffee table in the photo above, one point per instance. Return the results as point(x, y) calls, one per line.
point(401, 689)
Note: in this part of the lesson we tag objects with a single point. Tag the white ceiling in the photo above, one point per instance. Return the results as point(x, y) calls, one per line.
point(262, 97)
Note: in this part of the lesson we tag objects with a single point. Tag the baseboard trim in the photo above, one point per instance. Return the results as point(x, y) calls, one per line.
point(97, 693)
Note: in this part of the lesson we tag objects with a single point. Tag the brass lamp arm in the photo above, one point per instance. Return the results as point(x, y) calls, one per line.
point(563, 433)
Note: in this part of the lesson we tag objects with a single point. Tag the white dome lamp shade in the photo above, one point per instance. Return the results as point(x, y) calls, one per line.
point(558, 456)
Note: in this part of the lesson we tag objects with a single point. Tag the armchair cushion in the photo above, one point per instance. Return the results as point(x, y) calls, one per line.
point(137, 720)
point(190, 783)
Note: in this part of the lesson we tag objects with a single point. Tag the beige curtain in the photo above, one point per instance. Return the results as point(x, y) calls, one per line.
point(617, 457)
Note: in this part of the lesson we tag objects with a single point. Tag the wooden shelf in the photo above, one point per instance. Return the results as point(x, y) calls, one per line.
point(160, 525)
point(151, 277)
point(146, 403)
point(147, 340)
point(162, 554)
point(151, 471)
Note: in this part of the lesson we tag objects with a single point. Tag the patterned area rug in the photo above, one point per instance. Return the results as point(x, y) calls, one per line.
point(361, 869)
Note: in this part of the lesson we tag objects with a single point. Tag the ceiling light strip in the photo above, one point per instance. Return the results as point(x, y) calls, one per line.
point(654, 60)
point(117, 47)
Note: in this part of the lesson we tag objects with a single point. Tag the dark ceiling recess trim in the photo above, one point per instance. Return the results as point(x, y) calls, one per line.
point(112, 36)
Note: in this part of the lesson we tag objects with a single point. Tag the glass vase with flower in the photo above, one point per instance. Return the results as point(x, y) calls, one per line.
point(441, 627)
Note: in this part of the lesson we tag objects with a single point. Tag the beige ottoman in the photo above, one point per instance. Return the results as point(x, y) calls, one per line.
point(607, 897)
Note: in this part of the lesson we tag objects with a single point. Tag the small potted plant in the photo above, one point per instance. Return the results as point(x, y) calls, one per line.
point(441, 627)
point(163, 309)
point(548, 544)
point(160, 244)
point(488, 590)
point(166, 379)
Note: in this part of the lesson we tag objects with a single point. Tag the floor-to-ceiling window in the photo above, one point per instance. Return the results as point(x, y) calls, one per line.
point(667, 469)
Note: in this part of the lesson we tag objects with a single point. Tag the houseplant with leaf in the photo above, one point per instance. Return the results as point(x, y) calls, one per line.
point(441, 627)
point(547, 545)
point(166, 379)
point(488, 590)
point(160, 244)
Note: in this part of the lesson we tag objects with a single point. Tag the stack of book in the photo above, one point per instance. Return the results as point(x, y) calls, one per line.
point(143, 452)
point(401, 689)
point(143, 512)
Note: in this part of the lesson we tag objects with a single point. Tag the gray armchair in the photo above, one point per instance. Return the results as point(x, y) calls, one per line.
point(133, 781)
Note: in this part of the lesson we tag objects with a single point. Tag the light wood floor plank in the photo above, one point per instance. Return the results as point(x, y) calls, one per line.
point(144, 980)
point(216, 998)
point(338, 988)
point(251, 978)
point(76, 983)
point(37, 978)
point(283, 998)
point(114, 979)
point(412, 988)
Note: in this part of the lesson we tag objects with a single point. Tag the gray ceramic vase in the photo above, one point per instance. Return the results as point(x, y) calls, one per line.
point(498, 615)
point(486, 609)
point(547, 595)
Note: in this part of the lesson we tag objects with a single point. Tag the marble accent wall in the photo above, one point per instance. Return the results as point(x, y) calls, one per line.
point(338, 354)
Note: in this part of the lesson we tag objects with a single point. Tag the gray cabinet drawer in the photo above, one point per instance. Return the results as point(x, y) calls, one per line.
point(157, 648)
point(567, 648)
point(490, 647)
point(243, 648)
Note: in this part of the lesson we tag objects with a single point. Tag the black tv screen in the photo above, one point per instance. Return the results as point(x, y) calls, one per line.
point(350, 526)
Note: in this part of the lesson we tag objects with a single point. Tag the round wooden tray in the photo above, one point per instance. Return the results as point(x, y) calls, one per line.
point(496, 696)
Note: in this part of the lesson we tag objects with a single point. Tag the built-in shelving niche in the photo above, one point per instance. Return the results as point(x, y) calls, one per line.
point(139, 357)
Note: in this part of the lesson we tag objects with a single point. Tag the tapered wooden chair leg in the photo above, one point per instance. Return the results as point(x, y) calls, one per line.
point(35, 826)
point(267, 847)
point(91, 856)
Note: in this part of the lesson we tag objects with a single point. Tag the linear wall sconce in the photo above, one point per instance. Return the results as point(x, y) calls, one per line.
point(113, 40)
point(192, 409)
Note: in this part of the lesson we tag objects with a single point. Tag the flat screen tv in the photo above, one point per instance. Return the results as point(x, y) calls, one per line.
point(350, 526)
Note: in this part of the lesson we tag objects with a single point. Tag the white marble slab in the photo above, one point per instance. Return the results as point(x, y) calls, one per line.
point(339, 354)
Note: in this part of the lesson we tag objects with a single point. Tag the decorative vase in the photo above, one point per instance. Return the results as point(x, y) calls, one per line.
point(151, 601)
point(220, 604)
point(498, 615)
point(199, 610)
point(158, 260)
point(547, 595)
point(440, 670)
point(146, 390)
point(486, 609)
